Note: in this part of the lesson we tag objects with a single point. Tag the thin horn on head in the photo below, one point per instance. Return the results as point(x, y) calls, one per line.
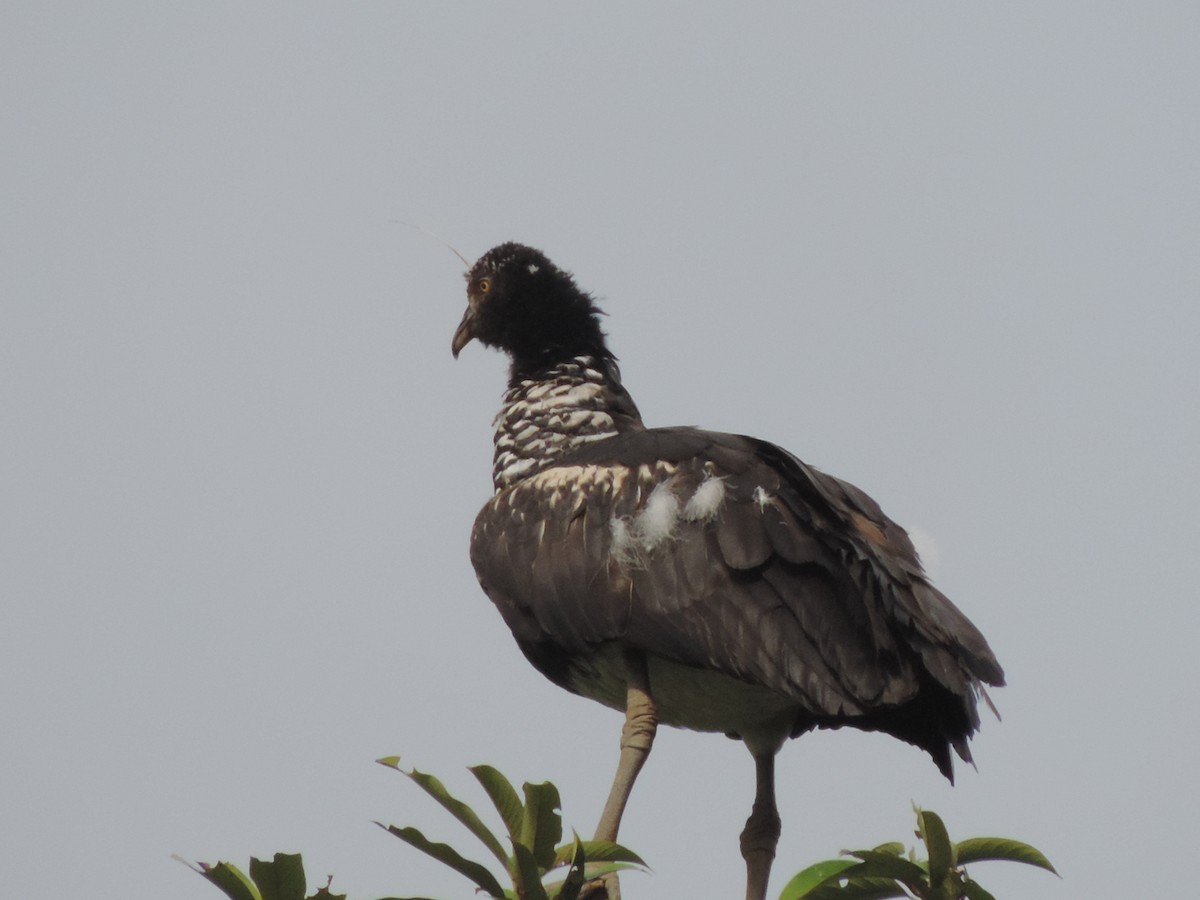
point(438, 238)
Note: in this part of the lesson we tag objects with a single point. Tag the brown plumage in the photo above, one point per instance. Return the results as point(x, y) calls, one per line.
point(717, 578)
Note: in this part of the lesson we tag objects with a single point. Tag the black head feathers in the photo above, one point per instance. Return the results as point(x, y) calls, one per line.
point(520, 302)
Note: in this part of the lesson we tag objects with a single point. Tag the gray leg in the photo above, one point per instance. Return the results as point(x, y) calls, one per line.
point(761, 833)
point(641, 723)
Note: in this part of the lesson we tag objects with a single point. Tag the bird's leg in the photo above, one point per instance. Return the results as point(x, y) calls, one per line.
point(641, 722)
point(761, 833)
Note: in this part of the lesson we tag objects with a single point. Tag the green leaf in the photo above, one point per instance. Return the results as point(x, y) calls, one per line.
point(932, 831)
point(803, 883)
point(594, 870)
point(980, 849)
point(887, 865)
point(573, 883)
point(229, 878)
point(280, 879)
point(529, 877)
point(591, 872)
point(448, 856)
point(541, 825)
point(893, 847)
point(598, 851)
point(435, 789)
point(503, 796)
point(973, 891)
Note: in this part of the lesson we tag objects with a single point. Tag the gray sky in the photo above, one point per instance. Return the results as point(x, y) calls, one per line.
point(950, 252)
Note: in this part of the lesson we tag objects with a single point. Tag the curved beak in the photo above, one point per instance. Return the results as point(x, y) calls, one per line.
point(463, 334)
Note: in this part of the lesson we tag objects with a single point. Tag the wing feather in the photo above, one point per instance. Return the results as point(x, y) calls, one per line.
point(794, 580)
point(742, 535)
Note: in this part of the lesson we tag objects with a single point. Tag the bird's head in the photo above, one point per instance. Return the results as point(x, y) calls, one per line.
point(520, 302)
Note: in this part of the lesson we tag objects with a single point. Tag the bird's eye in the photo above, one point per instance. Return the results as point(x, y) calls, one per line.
point(485, 285)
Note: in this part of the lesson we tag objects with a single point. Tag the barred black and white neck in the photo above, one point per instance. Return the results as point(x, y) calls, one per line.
point(564, 388)
point(569, 405)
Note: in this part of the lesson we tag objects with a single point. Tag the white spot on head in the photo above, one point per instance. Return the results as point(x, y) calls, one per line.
point(703, 504)
point(534, 268)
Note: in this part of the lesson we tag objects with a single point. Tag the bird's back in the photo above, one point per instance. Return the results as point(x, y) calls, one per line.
point(764, 592)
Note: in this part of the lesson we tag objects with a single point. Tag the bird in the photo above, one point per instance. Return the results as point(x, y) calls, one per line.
point(708, 581)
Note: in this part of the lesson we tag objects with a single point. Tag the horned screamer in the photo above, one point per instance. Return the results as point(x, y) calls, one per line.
point(691, 578)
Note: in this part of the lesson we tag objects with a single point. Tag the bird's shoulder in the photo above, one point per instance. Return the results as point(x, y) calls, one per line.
point(752, 472)
point(649, 491)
